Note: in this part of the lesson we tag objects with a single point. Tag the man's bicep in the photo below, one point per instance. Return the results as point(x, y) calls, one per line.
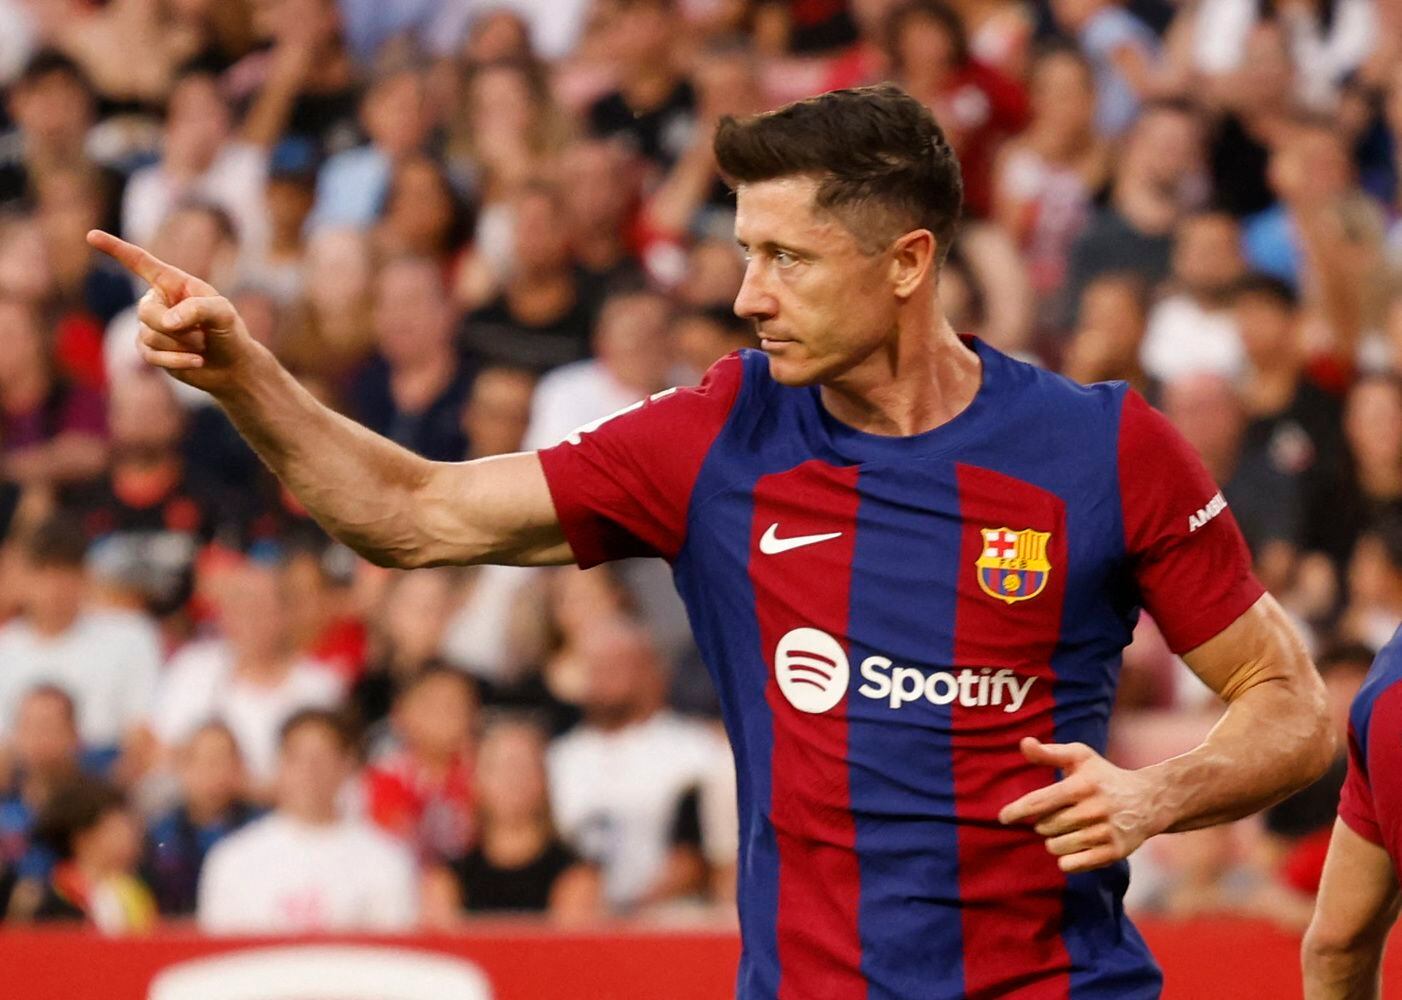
point(492, 510)
point(1358, 894)
point(1260, 645)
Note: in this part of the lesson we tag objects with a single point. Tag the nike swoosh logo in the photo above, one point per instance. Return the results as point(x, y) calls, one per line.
point(771, 544)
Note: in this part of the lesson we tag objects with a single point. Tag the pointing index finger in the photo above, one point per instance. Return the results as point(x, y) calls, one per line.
point(1036, 804)
point(168, 280)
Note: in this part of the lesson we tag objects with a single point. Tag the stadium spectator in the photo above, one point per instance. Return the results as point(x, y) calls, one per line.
point(53, 111)
point(413, 389)
point(405, 639)
point(1159, 179)
point(653, 108)
point(326, 612)
point(1193, 326)
point(204, 159)
point(701, 337)
point(250, 677)
point(43, 757)
point(52, 429)
point(96, 839)
point(497, 412)
point(211, 807)
point(306, 867)
point(424, 214)
point(1294, 421)
point(351, 184)
point(1372, 427)
point(152, 511)
point(1124, 53)
point(652, 757)
point(329, 334)
point(544, 313)
point(1266, 501)
point(1108, 339)
point(420, 787)
point(600, 182)
point(632, 360)
point(519, 864)
point(1046, 176)
point(106, 660)
point(1374, 585)
point(977, 106)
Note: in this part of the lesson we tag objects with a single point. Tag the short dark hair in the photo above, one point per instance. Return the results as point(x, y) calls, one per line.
point(882, 162)
point(1266, 286)
point(333, 722)
point(48, 62)
point(75, 808)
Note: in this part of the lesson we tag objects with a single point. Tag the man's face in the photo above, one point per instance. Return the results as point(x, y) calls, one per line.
point(1207, 254)
point(820, 305)
point(313, 767)
point(412, 315)
point(44, 736)
point(55, 108)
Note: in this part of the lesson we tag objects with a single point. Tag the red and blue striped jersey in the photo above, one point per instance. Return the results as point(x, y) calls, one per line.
point(884, 619)
point(1371, 800)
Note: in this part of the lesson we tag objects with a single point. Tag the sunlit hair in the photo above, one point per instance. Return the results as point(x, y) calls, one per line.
point(883, 165)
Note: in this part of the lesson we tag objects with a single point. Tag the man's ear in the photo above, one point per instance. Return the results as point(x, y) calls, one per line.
point(912, 260)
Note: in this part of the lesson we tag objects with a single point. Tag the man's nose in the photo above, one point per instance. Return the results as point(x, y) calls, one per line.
point(754, 301)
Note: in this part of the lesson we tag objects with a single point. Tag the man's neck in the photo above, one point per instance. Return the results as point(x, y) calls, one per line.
point(918, 382)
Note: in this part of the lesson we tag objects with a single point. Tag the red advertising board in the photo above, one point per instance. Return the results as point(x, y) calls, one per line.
point(1202, 960)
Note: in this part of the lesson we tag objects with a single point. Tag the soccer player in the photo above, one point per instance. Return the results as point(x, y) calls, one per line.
point(911, 564)
point(1358, 895)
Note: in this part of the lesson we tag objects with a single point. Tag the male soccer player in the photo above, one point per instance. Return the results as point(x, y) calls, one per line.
point(1358, 895)
point(911, 564)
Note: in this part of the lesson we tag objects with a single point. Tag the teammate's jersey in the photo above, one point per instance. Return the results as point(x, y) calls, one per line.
point(885, 618)
point(1371, 801)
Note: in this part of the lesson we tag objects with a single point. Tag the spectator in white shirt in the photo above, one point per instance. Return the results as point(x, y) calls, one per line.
point(106, 660)
point(306, 867)
point(632, 359)
point(1193, 328)
point(619, 780)
point(251, 679)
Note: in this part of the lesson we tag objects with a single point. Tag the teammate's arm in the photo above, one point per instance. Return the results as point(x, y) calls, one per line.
point(390, 505)
point(1357, 905)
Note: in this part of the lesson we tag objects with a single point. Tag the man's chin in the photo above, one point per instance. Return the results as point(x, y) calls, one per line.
point(791, 373)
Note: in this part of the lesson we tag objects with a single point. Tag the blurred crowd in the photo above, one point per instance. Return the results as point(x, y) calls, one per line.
point(475, 225)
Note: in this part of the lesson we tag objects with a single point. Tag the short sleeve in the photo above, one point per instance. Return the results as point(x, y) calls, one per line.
point(1187, 554)
point(622, 485)
point(1356, 799)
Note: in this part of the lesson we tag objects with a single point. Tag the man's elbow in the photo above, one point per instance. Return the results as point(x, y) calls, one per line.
point(1320, 745)
point(1328, 946)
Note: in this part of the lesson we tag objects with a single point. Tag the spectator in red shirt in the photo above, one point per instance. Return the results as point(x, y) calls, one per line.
point(422, 789)
point(977, 106)
point(52, 432)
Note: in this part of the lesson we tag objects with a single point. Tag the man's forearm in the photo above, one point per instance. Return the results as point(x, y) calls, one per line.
point(1344, 975)
point(357, 484)
point(1273, 739)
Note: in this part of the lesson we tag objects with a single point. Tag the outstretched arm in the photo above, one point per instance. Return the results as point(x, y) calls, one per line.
point(1357, 905)
point(390, 505)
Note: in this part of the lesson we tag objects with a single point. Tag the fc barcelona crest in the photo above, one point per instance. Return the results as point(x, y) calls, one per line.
point(1013, 566)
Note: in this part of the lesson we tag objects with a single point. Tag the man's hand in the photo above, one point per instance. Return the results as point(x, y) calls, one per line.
point(186, 326)
point(1095, 815)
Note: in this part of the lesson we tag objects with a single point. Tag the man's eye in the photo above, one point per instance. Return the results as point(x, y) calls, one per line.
point(784, 259)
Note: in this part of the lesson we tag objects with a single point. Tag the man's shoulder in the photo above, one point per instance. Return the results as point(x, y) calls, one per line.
point(1382, 688)
point(248, 843)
